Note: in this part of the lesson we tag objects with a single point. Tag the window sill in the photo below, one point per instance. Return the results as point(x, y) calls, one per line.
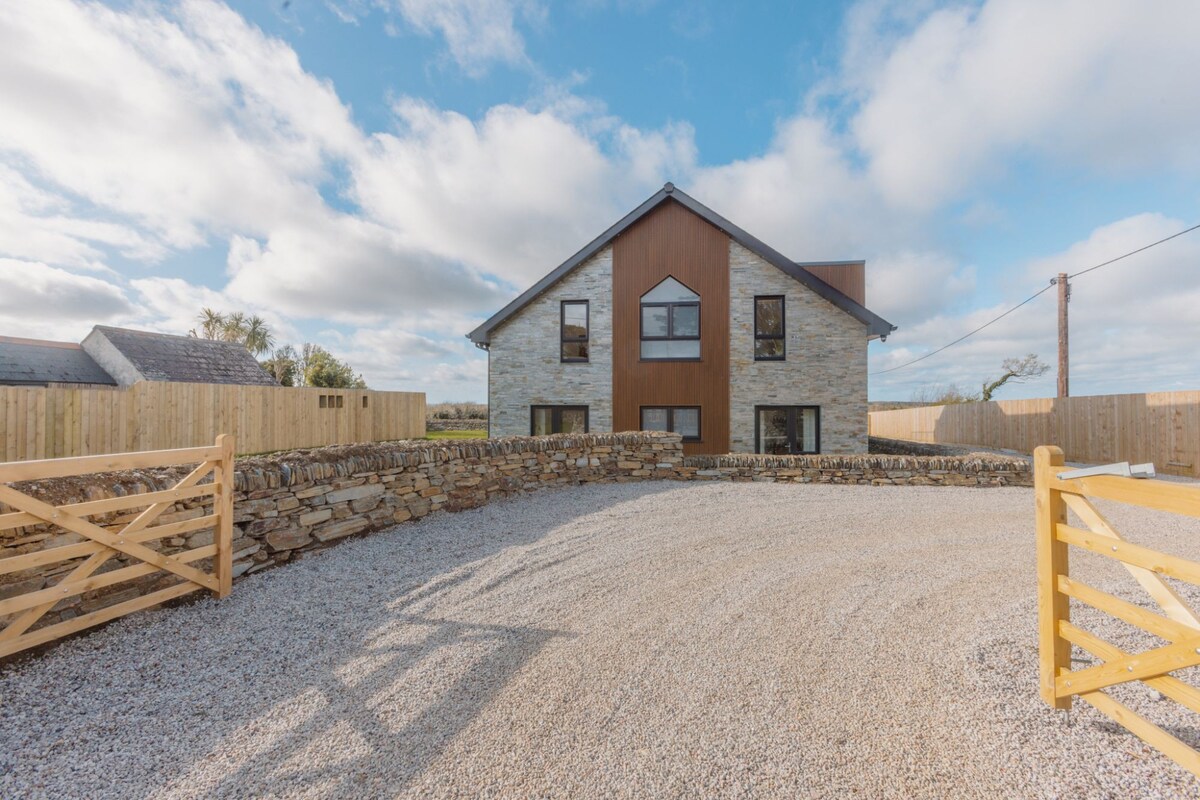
point(670, 360)
point(757, 358)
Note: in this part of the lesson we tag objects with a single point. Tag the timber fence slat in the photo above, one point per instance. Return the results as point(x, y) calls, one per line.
point(18, 519)
point(40, 558)
point(84, 621)
point(1162, 427)
point(102, 544)
point(49, 423)
point(1166, 597)
point(69, 589)
point(66, 467)
point(1173, 688)
point(1059, 683)
point(113, 541)
point(1137, 616)
point(1174, 748)
point(1127, 553)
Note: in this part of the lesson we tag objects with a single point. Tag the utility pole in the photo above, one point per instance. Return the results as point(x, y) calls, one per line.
point(1064, 350)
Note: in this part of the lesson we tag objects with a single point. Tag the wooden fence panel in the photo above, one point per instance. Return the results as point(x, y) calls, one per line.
point(1162, 427)
point(63, 422)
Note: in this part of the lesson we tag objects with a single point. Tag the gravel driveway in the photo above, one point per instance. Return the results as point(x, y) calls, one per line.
point(631, 640)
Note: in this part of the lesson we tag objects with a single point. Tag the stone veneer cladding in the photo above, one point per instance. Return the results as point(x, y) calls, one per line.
point(525, 367)
point(826, 362)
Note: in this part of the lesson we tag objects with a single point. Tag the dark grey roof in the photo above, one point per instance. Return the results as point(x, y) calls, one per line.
point(187, 359)
point(876, 325)
point(36, 362)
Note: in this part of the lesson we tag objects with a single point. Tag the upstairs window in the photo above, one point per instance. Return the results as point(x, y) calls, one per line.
point(573, 330)
point(670, 323)
point(769, 329)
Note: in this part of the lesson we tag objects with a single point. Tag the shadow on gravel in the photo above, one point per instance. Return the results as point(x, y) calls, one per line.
point(389, 758)
point(340, 675)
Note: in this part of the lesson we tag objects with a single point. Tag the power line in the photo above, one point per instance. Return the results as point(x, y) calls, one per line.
point(966, 336)
point(1135, 252)
point(1032, 297)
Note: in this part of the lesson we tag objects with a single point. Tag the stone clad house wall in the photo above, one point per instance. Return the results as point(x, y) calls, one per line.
point(826, 364)
point(826, 361)
point(524, 359)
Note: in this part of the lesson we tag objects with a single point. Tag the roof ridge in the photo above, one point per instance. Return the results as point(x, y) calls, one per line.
point(876, 325)
point(40, 342)
point(186, 336)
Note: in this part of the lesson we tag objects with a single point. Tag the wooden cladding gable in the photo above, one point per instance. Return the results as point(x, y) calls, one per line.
point(850, 279)
point(672, 241)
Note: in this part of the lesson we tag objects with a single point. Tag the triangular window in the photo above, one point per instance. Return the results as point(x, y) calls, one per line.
point(670, 324)
point(670, 291)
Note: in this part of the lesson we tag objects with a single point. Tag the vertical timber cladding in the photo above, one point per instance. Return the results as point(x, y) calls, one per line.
point(673, 242)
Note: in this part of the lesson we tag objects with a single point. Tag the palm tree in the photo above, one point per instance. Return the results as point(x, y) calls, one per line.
point(257, 336)
point(234, 329)
point(212, 323)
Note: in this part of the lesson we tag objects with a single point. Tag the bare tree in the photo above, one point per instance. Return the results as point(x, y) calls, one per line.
point(1016, 370)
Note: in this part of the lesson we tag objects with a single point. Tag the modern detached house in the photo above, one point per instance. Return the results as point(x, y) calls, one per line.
point(676, 319)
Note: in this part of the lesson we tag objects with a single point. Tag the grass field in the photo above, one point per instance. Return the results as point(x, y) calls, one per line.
point(456, 435)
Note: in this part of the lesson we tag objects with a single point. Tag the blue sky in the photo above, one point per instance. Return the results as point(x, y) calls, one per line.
point(381, 175)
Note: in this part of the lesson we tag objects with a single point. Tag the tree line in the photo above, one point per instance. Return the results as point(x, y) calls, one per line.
point(310, 365)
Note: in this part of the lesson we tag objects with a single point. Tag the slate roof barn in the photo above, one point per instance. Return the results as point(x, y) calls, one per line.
point(131, 356)
point(37, 362)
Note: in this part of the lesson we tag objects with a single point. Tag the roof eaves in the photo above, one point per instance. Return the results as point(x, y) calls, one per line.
point(481, 335)
point(876, 325)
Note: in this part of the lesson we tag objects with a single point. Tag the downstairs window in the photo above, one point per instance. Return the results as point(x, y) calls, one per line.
point(683, 420)
point(544, 420)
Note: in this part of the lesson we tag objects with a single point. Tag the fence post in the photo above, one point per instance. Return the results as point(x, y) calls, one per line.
point(223, 475)
point(1054, 652)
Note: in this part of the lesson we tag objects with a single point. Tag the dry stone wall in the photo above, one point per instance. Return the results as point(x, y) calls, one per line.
point(878, 470)
point(292, 504)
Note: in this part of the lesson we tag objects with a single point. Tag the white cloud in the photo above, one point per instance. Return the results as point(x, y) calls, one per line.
point(803, 195)
point(183, 126)
point(905, 286)
point(970, 85)
point(478, 33)
point(513, 194)
point(343, 268)
point(41, 301)
point(36, 224)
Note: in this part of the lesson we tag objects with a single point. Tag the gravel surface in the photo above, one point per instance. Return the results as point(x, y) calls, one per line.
point(630, 640)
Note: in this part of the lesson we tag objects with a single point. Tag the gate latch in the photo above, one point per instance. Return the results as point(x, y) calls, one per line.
point(1121, 469)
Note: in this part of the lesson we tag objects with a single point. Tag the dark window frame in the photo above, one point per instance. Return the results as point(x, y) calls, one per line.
point(556, 417)
point(782, 337)
point(699, 437)
point(562, 334)
point(791, 427)
point(670, 336)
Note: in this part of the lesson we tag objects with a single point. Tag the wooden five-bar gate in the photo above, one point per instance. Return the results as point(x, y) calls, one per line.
point(101, 544)
point(1178, 625)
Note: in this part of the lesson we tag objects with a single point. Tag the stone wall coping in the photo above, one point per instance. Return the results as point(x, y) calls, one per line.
point(967, 463)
